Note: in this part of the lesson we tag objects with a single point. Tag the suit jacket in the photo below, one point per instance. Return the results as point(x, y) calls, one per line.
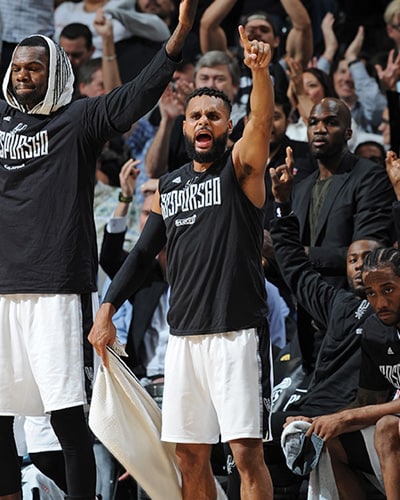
point(357, 206)
point(144, 301)
point(304, 165)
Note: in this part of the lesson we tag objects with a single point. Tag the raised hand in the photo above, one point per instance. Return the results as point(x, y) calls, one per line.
point(392, 163)
point(128, 176)
point(282, 179)
point(257, 55)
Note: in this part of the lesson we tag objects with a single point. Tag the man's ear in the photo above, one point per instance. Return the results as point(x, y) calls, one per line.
point(230, 126)
point(349, 134)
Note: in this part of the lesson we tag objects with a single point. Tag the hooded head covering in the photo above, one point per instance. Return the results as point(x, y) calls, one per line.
point(59, 86)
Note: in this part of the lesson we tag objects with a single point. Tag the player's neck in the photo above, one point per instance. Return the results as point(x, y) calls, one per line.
point(201, 167)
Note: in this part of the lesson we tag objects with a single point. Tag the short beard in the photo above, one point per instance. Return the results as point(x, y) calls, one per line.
point(217, 150)
point(27, 101)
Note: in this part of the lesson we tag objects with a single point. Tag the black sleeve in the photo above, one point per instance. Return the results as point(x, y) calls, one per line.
point(396, 219)
point(112, 254)
point(315, 295)
point(136, 267)
point(128, 103)
point(394, 118)
point(370, 377)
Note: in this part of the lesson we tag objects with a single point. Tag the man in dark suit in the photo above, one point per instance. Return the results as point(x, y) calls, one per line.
point(348, 198)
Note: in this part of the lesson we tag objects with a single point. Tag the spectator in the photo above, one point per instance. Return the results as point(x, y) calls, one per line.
point(149, 24)
point(85, 12)
point(19, 20)
point(340, 177)
point(372, 150)
point(306, 88)
point(357, 89)
point(391, 17)
point(77, 41)
point(389, 78)
point(259, 25)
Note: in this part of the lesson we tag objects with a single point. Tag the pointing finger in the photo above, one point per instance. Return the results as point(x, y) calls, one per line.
point(244, 38)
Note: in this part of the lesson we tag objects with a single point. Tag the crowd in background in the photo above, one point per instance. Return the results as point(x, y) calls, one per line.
point(323, 51)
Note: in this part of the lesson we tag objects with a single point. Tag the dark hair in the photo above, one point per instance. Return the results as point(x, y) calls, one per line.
point(324, 79)
point(260, 14)
point(282, 100)
point(382, 257)
point(73, 31)
point(35, 41)
point(208, 91)
point(279, 100)
point(87, 69)
point(375, 144)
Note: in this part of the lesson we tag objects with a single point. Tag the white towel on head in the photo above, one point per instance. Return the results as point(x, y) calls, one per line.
point(60, 83)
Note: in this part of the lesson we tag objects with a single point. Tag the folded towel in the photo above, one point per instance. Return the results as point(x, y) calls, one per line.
point(302, 454)
point(309, 456)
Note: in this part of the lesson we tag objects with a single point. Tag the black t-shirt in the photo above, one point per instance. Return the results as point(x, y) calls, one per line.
point(380, 366)
point(214, 241)
point(47, 168)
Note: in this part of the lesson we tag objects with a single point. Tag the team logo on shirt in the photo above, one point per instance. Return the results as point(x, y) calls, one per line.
point(186, 222)
point(191, 197)
point(15, 146)
point(361, 309)
point(391, 373)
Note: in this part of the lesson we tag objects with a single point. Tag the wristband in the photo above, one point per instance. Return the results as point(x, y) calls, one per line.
point(109, 58)
point(124, 199)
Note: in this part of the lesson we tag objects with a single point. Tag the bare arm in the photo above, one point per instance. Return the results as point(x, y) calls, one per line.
point(171, 106)
point(251, 151)
point(127, 180)
point(354, 419)
point(296, 92)
point(330, 41)
point(109, 64)
point(366, 410)
point(212, 36)
point(393, 170)
point(299, 42)
point(187, 11)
